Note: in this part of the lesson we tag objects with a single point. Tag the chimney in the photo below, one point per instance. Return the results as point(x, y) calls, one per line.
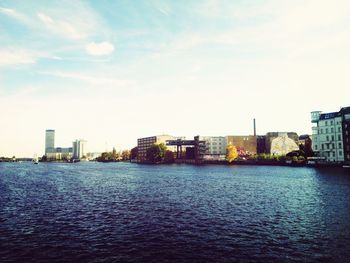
point(254, 127)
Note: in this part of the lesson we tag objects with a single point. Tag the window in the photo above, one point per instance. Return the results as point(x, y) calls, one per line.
point(340, 153)
point(331, 122)
point(327, 138)
point(339, 129)
point(326, 130)
point(322, 146)
point(333, 145)
point(326, 123)
point(339, 137)
point(333, 154)
point(327, 146)
point(332, 130)
point(316, 147)
point(332, 137)
point(339, 145)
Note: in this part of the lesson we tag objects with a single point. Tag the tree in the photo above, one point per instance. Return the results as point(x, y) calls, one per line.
point(169, 157)
point(125, 155)
point(114, 153)
point(162, 148)
point(231, 153)
point(155, 153)
point(133, 153)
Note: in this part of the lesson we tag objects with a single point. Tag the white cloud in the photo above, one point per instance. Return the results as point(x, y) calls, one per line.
point(18, 56)
point(99, 49)
point(16, 15)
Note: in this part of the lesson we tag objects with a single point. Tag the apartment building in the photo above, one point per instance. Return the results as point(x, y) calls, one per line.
point(327, 135)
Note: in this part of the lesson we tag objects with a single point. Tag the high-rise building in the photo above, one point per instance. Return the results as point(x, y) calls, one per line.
point(49, 141)
point(79, 149)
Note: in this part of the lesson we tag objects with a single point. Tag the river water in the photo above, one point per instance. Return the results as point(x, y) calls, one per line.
point(122, 212)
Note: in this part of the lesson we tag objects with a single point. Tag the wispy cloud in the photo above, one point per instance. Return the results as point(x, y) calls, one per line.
point(90, 79)
point(99, 49)
point(63, 28)
point(19, 56)
point(23, 19)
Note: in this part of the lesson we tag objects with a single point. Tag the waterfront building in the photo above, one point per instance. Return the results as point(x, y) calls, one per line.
point(60, 153)
point(281, 143)
point(245, 145)
point(215, 147)
point(327, 135)
point(49, 141)
point(195, 150)
point(144, 143)
point(261, 144)
point(345, 112)
point(79, 149)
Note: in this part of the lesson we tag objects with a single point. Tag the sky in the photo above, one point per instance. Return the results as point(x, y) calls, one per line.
point(114, 71)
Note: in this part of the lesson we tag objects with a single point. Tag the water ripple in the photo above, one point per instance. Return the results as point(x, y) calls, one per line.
point(91, 212)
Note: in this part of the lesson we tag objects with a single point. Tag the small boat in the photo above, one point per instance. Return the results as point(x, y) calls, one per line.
point(346, 166)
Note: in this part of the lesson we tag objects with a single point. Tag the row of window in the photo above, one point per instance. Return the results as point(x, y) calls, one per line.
point(331, 130)
point(331, 123)
point(332, 154)
point(328, 146)
point(145, 140)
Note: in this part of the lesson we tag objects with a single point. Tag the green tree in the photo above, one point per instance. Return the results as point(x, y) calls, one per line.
point(169, 156)
point(125, 155)
point(162, 148)
point(231, 153)
point(155, 153)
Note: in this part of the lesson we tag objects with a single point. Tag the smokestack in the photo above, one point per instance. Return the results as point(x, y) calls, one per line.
point(254, 127)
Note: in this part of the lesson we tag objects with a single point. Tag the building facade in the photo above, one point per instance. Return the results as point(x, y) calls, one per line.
point(79, 149)
point(281, 143)
point(245, 145)
point(49, 141)
point(345, 112)
point(60, 153)
point(327, 136)
point(144, 143)
point(215, 146)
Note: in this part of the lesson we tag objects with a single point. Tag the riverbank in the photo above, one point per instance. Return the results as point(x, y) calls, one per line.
point(251, 162)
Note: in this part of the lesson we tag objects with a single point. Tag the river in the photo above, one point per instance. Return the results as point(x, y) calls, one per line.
point(123, 212)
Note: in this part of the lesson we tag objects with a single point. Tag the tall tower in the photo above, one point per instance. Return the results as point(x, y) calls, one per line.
point(49, 141)
point(79, 149)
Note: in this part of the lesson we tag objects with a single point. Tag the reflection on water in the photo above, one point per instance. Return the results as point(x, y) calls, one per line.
point(93, 212)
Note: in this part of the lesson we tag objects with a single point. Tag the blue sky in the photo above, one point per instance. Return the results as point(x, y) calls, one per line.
point(113, 71)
